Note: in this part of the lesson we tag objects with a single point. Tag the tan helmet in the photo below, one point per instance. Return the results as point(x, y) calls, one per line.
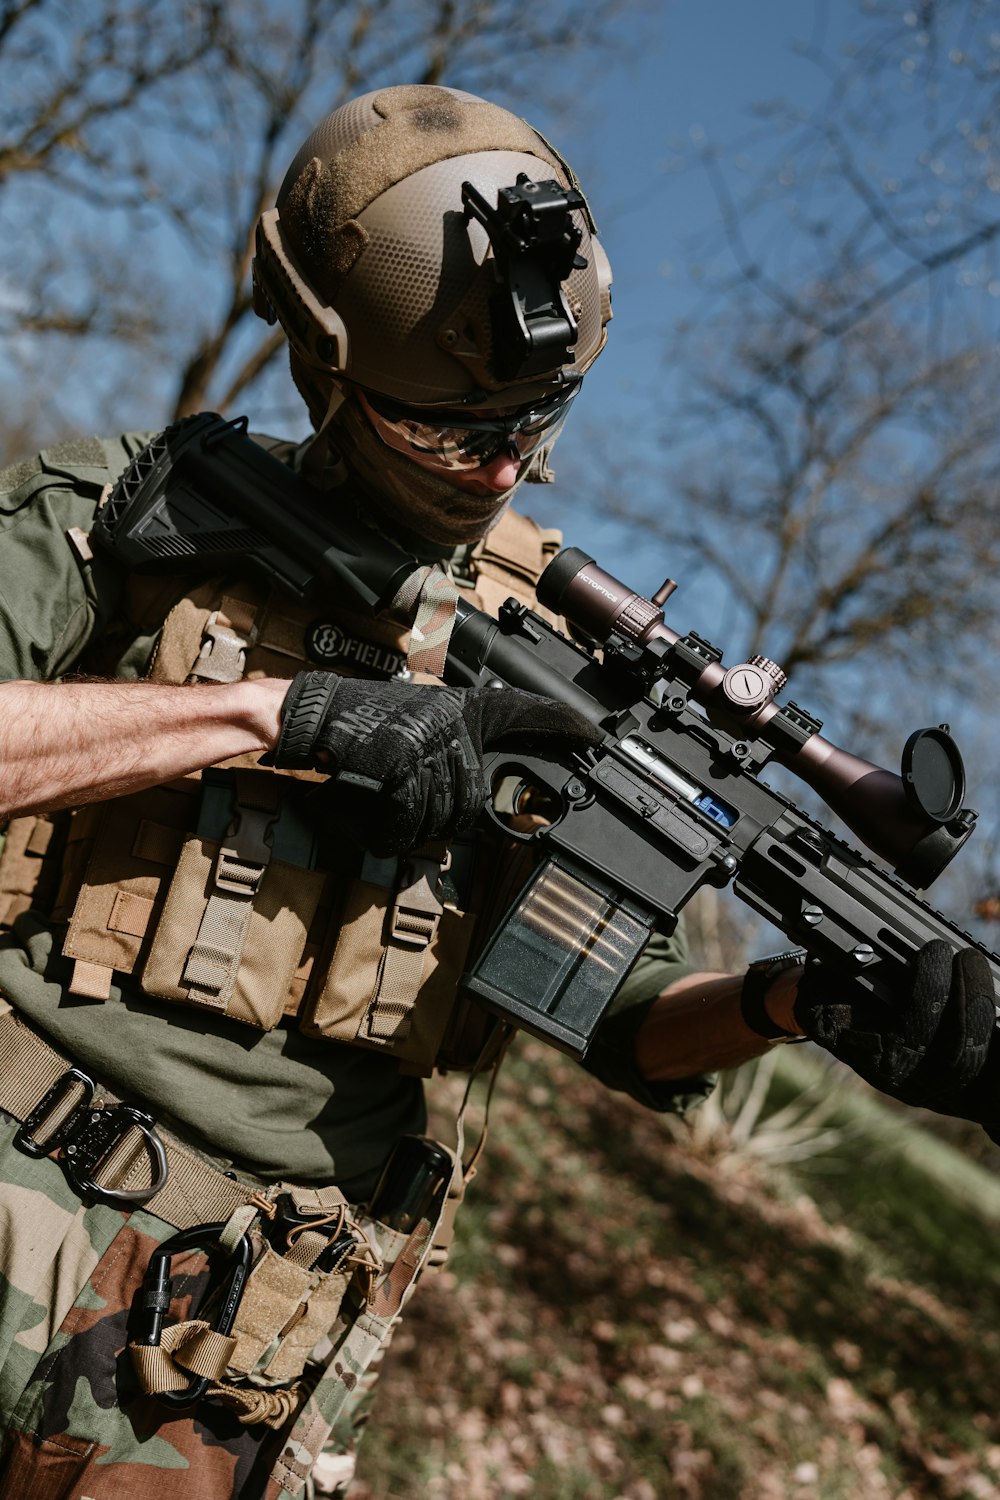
point(432, 247)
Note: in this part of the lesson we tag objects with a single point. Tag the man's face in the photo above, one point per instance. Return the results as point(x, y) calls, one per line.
point(480, 454)
point(492, 478)
point(445, 476)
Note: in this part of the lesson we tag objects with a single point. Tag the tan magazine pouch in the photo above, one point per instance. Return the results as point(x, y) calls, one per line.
point(232, 914)
point(398, 955)
point(236, 921)
point(131, 861)
point(30, 864)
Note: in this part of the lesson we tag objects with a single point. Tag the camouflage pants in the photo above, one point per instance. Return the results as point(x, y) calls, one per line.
point(75, 1424)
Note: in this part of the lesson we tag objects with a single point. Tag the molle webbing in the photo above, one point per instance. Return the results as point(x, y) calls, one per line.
point(398, 954)
point(237, 931)
point(413, 924)
point(214, 958)
point(135, 848)
point(510, 560)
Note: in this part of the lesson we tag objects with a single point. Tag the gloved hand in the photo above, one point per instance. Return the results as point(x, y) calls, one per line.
point(936, 1047)
point(406, 759)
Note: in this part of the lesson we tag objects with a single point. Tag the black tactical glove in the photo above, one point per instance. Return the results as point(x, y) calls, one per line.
point(406, 759)
point(935, 1047)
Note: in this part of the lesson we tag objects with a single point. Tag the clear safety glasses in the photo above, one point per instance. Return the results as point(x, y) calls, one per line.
point(458, 440)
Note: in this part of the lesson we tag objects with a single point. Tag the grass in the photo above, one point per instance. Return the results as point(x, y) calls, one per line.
point(624, 1319)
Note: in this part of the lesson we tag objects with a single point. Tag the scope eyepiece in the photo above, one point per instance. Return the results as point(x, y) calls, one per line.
point(564, 567)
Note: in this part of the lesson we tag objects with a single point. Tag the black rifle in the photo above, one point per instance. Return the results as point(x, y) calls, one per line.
point(669, 801)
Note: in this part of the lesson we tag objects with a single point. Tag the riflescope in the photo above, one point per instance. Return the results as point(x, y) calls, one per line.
point(915, 821)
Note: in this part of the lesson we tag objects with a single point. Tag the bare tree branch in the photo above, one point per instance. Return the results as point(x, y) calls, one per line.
point(170, 125)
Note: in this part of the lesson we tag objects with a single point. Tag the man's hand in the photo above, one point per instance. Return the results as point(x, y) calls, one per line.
point(936, 1047)
point(405, 759)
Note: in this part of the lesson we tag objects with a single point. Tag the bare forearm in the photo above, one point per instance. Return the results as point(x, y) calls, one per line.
point(62, 744)
point(695, 1026)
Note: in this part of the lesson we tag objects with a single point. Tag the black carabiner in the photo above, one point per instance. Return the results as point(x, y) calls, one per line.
point(157, 1288)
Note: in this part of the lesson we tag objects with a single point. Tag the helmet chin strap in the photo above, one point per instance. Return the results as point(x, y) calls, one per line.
point(318, 456)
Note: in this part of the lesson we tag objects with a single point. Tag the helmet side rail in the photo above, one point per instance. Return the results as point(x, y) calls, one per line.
point(669, 801)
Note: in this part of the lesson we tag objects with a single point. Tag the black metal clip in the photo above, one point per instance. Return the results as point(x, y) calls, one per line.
point(157, 1289)
point(87, 1136)
point(535, 247)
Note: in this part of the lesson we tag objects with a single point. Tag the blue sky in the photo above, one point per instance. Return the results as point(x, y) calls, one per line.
point(691, 70)
point(700, 67)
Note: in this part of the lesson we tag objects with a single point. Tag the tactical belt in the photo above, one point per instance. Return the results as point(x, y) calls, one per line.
point(107, 1148)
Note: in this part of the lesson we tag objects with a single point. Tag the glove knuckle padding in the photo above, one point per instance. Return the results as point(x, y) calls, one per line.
point(954, 992)
point(408, 740)
point(931, 988)
point(306, 707)
point(468, 779)
point(494, 714)
point(973, 980)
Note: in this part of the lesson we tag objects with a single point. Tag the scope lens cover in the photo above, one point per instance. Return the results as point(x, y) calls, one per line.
point(933, 774)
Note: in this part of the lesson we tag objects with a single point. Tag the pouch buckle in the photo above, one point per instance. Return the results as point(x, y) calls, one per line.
point(157, 1289)
point(417, 909)
point(343, 1239)
point(88, 1135)
point(246, 851)
point(222, 657)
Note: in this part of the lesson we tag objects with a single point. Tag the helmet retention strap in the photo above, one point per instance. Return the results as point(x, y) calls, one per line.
point(317, 453)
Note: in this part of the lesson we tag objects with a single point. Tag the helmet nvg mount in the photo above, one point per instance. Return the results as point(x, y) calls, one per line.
point(432, 248)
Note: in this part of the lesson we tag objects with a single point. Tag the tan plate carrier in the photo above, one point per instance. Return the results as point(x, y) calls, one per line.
point(236, 916)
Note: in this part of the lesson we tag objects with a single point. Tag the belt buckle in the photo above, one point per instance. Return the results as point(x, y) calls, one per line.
point(86, 1137)
point(25, 1141)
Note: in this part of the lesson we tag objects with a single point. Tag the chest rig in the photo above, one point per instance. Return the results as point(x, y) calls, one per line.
point(227, 890)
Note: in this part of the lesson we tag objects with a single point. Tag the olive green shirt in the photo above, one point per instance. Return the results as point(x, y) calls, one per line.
point(278, 1103)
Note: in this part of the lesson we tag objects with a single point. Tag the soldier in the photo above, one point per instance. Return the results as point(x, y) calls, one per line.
point(226, 976)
